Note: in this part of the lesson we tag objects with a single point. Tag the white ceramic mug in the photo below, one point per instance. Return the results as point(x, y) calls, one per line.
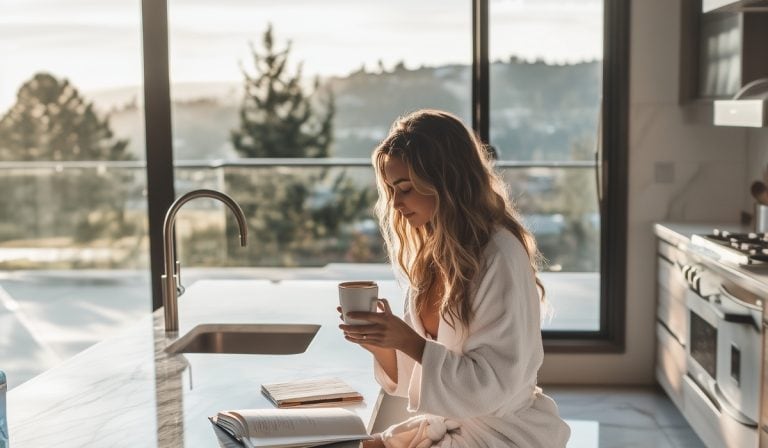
point(358, 296)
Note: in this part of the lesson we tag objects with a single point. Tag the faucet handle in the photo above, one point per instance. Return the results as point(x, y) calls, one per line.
point(177, 275)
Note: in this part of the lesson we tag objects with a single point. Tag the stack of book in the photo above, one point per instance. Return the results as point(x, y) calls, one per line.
point(304, 424)
point(311, 392)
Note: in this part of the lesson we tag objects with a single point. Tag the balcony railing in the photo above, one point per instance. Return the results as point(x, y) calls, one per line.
point(83, 214)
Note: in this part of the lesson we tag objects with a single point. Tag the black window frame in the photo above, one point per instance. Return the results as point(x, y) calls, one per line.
point(612, 162)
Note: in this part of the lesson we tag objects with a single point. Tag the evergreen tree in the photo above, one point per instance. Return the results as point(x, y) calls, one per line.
point(277, 119)
point(51, 121)
point(296, 213)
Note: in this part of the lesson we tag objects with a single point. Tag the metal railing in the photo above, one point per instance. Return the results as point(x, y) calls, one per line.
point(93, 213)
point(264, 162)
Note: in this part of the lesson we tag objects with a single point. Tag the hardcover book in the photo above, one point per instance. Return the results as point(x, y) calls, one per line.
point(311, 392)
point(291, 428)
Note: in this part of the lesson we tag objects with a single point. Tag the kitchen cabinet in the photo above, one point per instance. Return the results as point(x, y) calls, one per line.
point(764, 394)
point(723, 45)
point(672, 320)
point(734, 5)
point(732, 52)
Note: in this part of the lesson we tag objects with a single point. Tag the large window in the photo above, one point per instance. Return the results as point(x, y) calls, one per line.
point(73, 227)
point(230, 61)
point(244, 73)
point(546, 65)
point(85, 193)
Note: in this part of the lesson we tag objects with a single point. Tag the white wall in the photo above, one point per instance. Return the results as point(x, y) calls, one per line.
point(711, 168)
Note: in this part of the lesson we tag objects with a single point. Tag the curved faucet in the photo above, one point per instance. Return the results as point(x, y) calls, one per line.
point(170, 296)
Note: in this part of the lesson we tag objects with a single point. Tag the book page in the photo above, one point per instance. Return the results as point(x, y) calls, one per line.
point(295, 427)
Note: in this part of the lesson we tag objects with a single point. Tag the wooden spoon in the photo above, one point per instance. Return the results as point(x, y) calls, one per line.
point(760, 192)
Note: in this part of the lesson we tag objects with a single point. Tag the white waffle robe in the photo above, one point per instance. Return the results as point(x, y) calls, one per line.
point(477, 387)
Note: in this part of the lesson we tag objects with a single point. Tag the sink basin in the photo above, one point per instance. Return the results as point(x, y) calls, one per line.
point(248, 339)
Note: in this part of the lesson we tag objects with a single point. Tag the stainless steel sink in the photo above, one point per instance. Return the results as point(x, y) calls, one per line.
point(250, 339)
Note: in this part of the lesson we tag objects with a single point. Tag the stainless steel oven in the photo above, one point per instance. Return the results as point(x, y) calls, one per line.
point(725, 342)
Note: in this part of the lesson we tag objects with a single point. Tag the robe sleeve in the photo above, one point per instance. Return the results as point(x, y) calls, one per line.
point(503, 349)
point(405, 367)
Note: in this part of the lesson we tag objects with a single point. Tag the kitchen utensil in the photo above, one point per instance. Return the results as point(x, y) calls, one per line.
point(761, 218)
point(760, 192)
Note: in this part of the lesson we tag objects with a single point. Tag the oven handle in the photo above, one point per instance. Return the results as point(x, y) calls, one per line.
point(727, 316)
point(740, 302)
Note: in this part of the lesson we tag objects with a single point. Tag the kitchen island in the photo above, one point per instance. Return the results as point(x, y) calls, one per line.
point(127, 391)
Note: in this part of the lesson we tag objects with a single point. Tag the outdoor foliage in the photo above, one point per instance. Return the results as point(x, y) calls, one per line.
point(298, 217)
point(51, 121)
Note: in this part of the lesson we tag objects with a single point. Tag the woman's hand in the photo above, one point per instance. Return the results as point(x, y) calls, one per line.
point(385, 331)
point(369, 347)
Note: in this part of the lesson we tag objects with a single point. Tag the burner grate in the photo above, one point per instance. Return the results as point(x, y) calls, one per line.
point(740, 248)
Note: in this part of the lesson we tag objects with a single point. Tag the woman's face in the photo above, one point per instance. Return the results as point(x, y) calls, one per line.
point(417, 208)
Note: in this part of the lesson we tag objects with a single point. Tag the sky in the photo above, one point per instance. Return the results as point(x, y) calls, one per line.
point(96, 44)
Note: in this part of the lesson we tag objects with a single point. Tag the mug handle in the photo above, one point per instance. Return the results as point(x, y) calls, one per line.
point(384, 305)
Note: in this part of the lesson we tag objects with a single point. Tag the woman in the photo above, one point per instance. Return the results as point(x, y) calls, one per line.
point(467, 352)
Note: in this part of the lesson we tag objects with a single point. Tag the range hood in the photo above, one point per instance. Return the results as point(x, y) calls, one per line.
point(749, 107)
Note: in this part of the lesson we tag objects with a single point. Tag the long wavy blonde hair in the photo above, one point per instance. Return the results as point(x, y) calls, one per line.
point(445, 159)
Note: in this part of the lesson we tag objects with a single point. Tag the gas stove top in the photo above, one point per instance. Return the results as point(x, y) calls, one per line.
point(744, 249)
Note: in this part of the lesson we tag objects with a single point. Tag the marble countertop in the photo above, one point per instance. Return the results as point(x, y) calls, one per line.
point(127, 391)
point(754, 279)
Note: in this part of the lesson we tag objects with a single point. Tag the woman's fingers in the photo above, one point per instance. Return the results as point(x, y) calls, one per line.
point(359, 329)
point(364, 338)
point(377, 332)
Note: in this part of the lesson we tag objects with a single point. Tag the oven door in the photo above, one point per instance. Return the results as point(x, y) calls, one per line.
point(702, 347)
point(738, 361)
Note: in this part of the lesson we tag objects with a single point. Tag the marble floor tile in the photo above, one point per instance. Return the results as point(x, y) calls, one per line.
point(601, 417)
point(623, 418)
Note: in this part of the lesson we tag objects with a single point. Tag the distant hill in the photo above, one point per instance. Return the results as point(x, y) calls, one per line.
point(538, 111)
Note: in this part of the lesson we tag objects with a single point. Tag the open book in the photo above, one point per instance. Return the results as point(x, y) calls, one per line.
point(291, 428)
point(311, 392)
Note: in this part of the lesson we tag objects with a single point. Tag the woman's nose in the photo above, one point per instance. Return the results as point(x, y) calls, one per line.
point(397, 201)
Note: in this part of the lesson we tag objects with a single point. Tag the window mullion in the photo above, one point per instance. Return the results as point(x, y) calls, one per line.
point(157, 118)
point(480, 70)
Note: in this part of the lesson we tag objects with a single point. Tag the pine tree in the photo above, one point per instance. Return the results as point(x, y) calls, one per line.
point(51, 121)
point(295, 213)
point(277, 119)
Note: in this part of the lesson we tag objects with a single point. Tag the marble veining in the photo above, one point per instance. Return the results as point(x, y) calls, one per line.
point(127, 391)
point(623, 417)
